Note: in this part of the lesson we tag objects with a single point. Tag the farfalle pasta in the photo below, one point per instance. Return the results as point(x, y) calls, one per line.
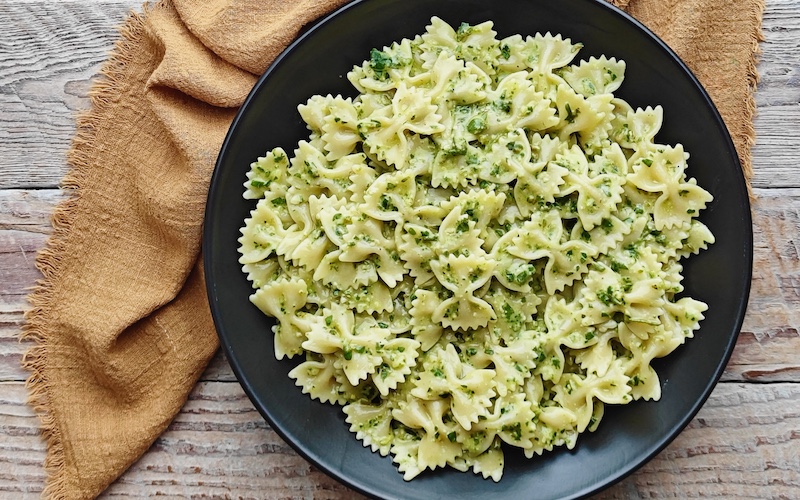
point(482, 248)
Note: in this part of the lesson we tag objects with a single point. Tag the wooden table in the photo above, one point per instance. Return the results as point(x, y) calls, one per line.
point(745, 442)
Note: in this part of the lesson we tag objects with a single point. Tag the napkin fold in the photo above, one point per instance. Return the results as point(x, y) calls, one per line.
point(119, 323)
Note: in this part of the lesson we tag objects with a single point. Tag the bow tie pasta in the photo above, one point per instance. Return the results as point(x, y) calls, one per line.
point(482, 247)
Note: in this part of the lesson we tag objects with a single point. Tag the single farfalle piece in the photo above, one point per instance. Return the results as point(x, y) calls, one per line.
point(304, 172)
point(512, 420)
point(433, 447)
point(610, 161)
point(262, 233)
point(372, 424)
point(543, 177)
point(345, 275)
point(580, 115)
point(637, 290)
point(598, 193)
point(335, 120)
point(537, 190)
point(453, 79)
point(609, 234)
point(488, 464)
point(459, 167)
point(267, 172)
point(561, 318)
point(548, 52)
point(516, 103)
point(384, 69)
point(662, 171)
point(479, 206)
point(384, 131)
point(333, 215)
point(475, 43)
point(637, 129)
point(313, 112)
point(367, 239)
point(508, 158)
point(512, 272)
point(318, 378)
point(514, 54)
point(597, 354)
point(595, 76)
point(364, 252)
point(513, 364)
point(356, 339)
point(516, 312)
point(698, 238)
point(468, 391)
point(399, 357)
point(391, 196)
point(458, 234)
point(665, 243)
point(579, 394)
point(284, 300)
point(541, 237)
point(417, 247)
point(462, 276)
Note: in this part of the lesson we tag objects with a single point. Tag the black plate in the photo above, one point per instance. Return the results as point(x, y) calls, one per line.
point(628, 436)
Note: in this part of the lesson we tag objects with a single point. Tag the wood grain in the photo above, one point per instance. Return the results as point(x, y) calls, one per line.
point(50, 53)
point(738, 446)
point(45, 75)
point(743, 444)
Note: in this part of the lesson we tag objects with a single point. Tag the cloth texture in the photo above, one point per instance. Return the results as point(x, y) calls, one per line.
point(119, 324)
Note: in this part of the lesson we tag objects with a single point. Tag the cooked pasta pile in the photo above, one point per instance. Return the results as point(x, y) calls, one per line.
point(482, 247)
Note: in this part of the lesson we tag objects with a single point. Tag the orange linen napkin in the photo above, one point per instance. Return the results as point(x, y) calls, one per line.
point(120, 321)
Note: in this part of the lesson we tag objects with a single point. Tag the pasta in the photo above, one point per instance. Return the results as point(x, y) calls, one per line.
point(482, 247)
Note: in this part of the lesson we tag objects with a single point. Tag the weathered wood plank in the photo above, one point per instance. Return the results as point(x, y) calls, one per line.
point(49, 55)
point(779, 67)
point(739, 446)
point(774, 163)
point(17, 261)
point(776, 98)
point(24, 228)
point(743, 444)
point(55, 49)
point(770, 329)
point(776, 273)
